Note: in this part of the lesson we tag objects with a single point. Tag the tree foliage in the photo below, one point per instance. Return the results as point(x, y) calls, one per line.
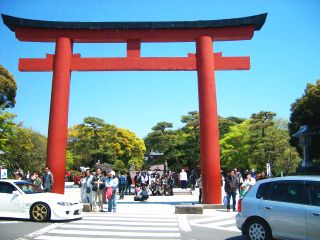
point(306, 111)
point(94, 140)
point(181, 147)
point(8, 89)
point(258, 141)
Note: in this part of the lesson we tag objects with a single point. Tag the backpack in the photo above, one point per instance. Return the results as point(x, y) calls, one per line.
point(123, 180)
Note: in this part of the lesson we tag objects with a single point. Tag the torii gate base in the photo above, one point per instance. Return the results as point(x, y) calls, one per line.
point(205, 62)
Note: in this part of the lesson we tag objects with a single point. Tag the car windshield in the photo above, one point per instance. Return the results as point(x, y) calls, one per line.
point(28, 188)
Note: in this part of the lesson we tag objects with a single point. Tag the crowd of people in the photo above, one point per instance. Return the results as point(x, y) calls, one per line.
point(237, 182)
point(44, 182)
point(95, 185)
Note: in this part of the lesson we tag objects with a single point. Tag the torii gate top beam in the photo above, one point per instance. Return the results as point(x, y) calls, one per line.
point(116, 32)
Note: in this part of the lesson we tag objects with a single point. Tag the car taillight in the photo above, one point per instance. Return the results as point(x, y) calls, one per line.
point(239, 205)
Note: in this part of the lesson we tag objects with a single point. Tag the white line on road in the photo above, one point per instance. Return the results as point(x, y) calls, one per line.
point(116, 218)
point(128, 223)
point(217, 224)
point(183, 223)
point(128, 215)
point(108, 233)
point(138, 228)
point(43, 230)
point(86, 238)
point(8, 222)
point(208, 219)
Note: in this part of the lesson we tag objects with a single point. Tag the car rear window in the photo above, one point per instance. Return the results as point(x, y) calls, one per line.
point(314, 193)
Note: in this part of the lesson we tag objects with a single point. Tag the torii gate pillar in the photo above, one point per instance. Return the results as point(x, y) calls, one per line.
point(209, 130)
point(58, 121)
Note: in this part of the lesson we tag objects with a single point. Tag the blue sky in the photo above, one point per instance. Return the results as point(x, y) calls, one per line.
point(285, 56)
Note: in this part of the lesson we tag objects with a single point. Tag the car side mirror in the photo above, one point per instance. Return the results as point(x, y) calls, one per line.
point(16, 193)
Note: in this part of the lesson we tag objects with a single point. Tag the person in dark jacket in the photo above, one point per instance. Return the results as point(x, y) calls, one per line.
point(230, 187)
point(47, 180)
point(128, 186)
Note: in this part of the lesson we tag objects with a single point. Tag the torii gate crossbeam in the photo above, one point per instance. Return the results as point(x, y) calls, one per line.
point(205, 62)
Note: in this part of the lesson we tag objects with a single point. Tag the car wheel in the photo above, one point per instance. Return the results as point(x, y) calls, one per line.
point(40, 212)
point(257, 229)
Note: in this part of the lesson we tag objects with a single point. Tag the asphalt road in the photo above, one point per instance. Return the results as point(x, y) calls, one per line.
point(11, 229)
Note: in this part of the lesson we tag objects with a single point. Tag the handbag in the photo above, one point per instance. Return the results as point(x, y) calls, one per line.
point(225, 200)
point(109, 193)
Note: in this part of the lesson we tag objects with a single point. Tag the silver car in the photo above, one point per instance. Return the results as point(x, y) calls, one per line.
point(281, 208)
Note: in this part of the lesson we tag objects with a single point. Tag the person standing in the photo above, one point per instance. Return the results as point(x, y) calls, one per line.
point(230, 187)
point(112, 182)
point(97, 191)
point(87, 183)
point(37, 181)
point(193, 179)
point(171, 183)
point(247, 185)
point(122, 185)
point(199, 183)
point(48, 180)
point(129, 182)
point(183, 179)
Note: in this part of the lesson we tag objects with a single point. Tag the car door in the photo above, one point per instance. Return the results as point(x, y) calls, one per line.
point(285, 209)
point(313, 211)
point(9, 202)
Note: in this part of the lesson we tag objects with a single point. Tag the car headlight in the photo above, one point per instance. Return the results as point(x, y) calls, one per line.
point(65, 203)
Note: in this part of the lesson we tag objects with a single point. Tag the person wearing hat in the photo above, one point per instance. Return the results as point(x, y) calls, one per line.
point(112, 182)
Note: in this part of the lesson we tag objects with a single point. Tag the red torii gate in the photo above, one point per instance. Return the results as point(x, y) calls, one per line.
point(205, 62)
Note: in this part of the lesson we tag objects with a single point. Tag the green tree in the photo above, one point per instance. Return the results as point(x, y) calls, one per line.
point(306, 111)
point(26, 149)
point(119, 166)
point(226, 123)
point(95, 140)
point(190, 147)
point(234, 147)
point(258, 141)
point(8, 89)
point(6, 127)
point(69, 160)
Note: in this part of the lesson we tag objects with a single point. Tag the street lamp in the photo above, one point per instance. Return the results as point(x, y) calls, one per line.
point(304, 134)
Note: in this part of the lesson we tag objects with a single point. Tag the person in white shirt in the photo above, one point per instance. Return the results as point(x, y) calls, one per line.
point(247, 185)
point(183, 179)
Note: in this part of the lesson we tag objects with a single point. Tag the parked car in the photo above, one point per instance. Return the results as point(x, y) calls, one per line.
point(21, 199)
point(281, 208)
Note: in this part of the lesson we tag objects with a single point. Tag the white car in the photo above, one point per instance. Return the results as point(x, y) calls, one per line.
point(281, 208)
point(21, 199)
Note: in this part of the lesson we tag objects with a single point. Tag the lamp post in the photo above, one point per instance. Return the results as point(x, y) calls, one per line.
point(304, 134)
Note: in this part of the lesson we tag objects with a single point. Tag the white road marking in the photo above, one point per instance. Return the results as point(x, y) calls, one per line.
point(183, 223)
point(108, 233)
point(106, 215)
point(217, 222)
point(137, 228)
point(116, 218)
point(43, 230)
point(104, 222)
point(86, 238)
point(8, 222)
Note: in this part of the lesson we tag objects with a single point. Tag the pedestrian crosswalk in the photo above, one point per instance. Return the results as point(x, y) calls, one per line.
point(133, 226)
point(105, 226)
point(220, 220)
